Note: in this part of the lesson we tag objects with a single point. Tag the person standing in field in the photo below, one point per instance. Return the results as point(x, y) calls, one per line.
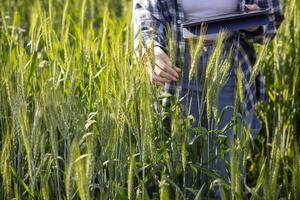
point(153, 17)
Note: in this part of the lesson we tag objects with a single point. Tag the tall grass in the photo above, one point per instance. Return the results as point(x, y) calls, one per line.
point(78, 115)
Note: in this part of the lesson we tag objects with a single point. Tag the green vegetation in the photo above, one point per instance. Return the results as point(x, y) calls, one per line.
point(78, 120)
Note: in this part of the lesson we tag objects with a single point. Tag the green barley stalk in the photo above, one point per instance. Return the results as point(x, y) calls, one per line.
point(216, 75)
point(257, 67)
point(240, 89)
point(196, 46)
point(57, 67)
point(130, 180)
point(164, 188)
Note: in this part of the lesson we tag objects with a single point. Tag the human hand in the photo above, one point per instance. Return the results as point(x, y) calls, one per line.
point(252, 7)
point(163, 71)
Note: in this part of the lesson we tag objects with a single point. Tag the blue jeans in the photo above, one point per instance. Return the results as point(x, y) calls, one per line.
point(192, 98)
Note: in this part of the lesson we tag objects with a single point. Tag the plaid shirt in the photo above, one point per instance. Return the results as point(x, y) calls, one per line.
point(152, 17)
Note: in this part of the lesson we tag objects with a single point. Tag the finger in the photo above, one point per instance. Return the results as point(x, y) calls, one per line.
point(167, 60)
point(252, 6)
point(159, 79)
point(165, 67)
point(154, 80)
point(161, 73)
point(177, 69)
point(157, 83)
point(161, 55)
point(249, 6)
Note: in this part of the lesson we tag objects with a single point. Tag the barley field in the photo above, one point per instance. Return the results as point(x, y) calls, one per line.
point(79, 118)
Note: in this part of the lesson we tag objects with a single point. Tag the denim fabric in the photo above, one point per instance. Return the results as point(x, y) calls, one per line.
point(192, 94)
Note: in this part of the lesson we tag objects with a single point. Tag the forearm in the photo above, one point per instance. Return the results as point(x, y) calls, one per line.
point(149, 26)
